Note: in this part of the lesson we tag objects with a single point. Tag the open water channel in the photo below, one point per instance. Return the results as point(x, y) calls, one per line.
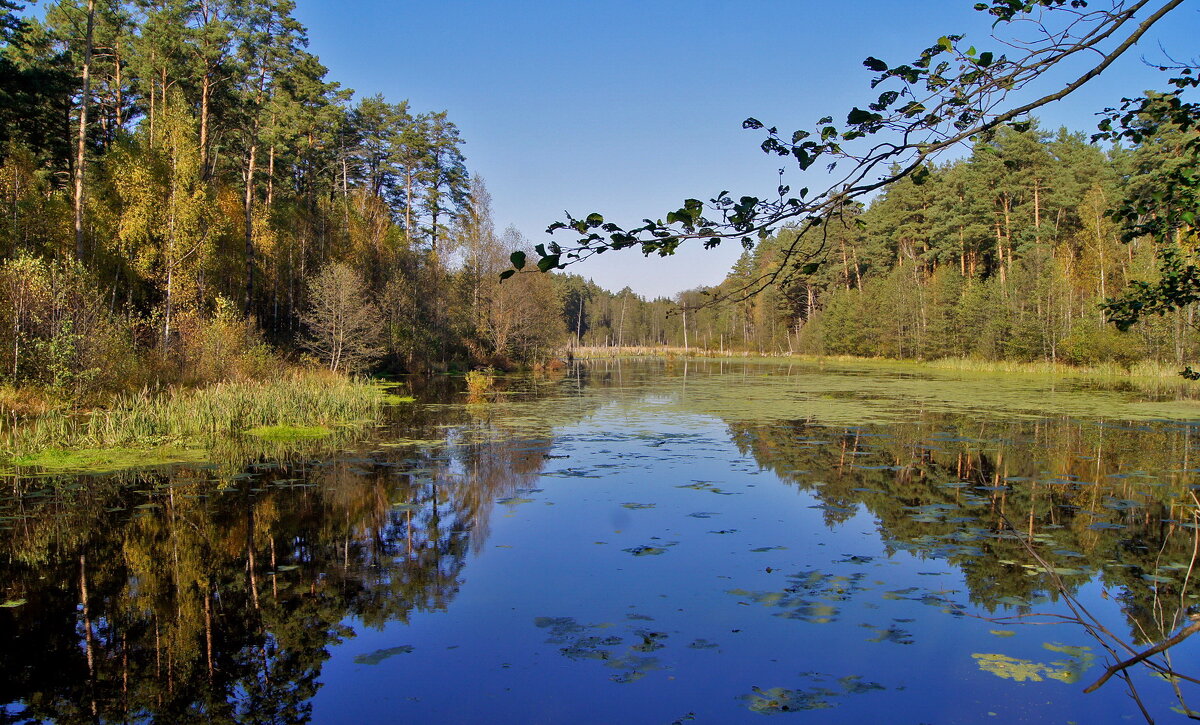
point(633, 542)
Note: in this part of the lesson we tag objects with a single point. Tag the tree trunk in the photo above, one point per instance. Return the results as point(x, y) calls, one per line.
point(205, 92)
point(81, 149)
point(249, 208)
point(119, 117)
point(271, 179)
point(408, 202)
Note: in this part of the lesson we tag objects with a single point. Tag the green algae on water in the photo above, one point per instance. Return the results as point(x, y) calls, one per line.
point(104, 460)
point(289, 432)
point(380, 655)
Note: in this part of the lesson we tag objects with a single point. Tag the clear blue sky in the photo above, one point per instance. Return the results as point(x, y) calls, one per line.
point(626, 108)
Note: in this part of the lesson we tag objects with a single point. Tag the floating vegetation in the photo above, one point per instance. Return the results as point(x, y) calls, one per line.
point(101, 460)
point(1079, 660)
point(379, 655)
point(623, 651)
point(707, 486)
point(821, 696)
point(812, 596)
point(781, 699)
point(646, 550)
point(289, 432)
point(890, 633)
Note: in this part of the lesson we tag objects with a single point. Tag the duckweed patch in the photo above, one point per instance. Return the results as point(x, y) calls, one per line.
point(103, 460)
point(1068, 671)
point(821, 695)
point(379, 655)
point(289, 432)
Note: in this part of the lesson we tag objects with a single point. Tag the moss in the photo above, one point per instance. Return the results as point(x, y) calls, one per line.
point(97, 460)
point(392, 399)
point(289, 432)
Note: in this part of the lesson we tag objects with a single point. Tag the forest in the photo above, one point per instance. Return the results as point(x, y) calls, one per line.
point(1008, 253)
point(188, 197)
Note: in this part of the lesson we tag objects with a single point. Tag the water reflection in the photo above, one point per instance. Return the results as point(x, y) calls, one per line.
point(191, 594)
point(1095, 498)
point(218, 593)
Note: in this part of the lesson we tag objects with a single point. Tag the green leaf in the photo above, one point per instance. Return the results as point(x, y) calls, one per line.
point(875, 64)
point(507, 273)
point(518, 259)
point(985, 59)
point(810, 268)
point(857, 116)
point(548, 263)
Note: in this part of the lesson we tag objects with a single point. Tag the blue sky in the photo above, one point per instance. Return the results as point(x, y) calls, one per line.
point(627, 108)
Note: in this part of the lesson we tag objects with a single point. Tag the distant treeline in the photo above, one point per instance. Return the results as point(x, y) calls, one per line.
point(1005, 254)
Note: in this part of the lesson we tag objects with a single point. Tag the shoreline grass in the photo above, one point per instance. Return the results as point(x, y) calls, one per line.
point(1145, 369)
point(300, 405)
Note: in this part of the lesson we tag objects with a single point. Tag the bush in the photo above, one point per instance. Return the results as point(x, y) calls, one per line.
point(55, 330)
point(480, 381)
point(220, 348)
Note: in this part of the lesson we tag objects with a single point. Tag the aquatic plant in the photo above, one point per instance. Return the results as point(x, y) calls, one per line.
point(296, 405)
point(480, 381)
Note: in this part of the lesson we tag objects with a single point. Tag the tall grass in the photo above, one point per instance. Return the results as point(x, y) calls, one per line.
point(1142, 369)
point(197, 417)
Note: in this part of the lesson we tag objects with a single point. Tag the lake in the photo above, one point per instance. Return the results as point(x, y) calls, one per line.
point(633, 542)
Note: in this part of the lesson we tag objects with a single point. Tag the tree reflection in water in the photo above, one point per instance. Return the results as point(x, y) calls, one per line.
point(216, 593)
point(207, 594)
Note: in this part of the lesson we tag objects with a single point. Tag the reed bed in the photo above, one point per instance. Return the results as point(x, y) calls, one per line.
point(197, 417)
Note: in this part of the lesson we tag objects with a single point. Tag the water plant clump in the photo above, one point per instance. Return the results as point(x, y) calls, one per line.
point(298, 406)
point(290, 432)
point(480, 381)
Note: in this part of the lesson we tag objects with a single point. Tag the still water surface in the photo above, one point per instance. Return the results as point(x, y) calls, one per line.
point(705, 542)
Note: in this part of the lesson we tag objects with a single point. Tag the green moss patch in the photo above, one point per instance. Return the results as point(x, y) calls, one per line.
point(392, 399)
point(103, 460)
point(289, 432)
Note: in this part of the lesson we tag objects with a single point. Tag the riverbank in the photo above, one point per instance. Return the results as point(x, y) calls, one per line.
point(1146, 369)
point(181, 424)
